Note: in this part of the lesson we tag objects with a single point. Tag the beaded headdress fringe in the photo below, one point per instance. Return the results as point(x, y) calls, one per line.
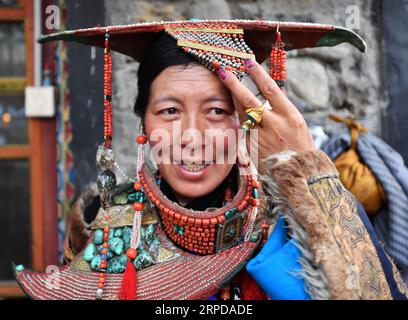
point(217, 45)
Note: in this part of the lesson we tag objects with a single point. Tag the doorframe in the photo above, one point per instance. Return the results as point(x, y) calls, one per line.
point(41, 152)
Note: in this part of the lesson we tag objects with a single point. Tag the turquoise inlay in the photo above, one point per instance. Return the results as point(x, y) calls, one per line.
point(181, 231)
point(251, 118)
point(19, 268)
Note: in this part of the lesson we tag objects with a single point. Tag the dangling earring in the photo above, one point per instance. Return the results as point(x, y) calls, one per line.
point(141, 141)
point(277, 68)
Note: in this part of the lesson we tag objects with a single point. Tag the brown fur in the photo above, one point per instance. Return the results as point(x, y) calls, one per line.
point(77, 233)
point(291, 173)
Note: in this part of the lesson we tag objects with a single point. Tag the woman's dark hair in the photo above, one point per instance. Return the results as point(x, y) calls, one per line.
point(161, 54)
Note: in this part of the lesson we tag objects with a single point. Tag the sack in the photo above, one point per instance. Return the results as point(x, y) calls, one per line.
point(355, 175)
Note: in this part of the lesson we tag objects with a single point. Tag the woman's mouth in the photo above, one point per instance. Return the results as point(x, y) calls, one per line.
point(194, 167)
point(192, 171)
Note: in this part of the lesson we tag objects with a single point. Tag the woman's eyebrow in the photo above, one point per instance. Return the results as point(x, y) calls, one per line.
point(166, 99)
point(216, 99)
point(180, 101)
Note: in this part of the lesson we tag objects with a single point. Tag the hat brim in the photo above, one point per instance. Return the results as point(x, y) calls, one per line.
point(260, 35)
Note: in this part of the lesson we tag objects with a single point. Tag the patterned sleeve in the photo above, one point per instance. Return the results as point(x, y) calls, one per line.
point(341, 257)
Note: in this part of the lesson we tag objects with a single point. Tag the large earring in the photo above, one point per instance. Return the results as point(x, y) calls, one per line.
point(141, 141)
point(277, 68)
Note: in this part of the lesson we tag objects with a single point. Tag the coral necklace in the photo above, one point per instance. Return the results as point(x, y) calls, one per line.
point(204, 232)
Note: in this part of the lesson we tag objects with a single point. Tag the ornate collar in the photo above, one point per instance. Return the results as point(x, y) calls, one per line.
point(205, 232)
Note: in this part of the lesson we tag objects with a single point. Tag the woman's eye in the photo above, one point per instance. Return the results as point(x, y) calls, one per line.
point(169, 111)
point(218, 111)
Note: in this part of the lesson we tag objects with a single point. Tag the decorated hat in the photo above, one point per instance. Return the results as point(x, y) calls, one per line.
point(260, 35)
point(217, 43)
point(178, 253)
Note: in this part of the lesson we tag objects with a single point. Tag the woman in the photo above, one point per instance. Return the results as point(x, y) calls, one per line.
point(194, 227)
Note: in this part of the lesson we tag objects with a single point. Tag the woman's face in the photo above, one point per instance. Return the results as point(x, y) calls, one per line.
point(195, 110)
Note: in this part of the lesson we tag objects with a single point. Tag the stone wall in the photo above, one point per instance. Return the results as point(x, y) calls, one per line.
point(321, 81)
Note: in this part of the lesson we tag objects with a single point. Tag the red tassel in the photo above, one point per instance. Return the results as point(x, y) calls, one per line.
point(128, 288)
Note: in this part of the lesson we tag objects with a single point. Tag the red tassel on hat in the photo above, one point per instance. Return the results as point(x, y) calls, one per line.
point(128, 288)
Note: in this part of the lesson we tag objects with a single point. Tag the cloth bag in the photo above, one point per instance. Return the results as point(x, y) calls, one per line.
point(355, 174)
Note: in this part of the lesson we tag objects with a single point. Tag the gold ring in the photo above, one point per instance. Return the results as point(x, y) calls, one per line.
point(255, 114)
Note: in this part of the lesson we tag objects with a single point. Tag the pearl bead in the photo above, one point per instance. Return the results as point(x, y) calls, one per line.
point(99, 294)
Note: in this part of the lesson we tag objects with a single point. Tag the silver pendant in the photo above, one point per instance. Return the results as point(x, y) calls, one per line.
point(106, 183)
point(105, 158)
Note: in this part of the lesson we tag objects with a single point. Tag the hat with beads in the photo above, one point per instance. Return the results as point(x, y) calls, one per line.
point(219, 43)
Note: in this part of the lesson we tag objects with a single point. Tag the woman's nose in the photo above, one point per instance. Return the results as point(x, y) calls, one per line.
point(193, 124)
point(192, 131)
point(192, 121)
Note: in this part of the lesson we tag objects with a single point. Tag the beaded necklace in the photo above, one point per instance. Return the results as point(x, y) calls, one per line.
point(203, 232)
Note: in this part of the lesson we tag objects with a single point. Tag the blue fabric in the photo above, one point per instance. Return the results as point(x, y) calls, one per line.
point(276, 265)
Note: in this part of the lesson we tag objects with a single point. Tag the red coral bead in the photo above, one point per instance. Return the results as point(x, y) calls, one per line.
point(216, 64)
point(131, 253)
point(137, 186)
point(141, 139)
point(255, 184)
point(138, 206)
point(255, 202)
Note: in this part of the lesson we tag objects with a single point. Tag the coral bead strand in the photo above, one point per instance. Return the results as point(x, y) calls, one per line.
point(278, 61)
point(107, 76)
